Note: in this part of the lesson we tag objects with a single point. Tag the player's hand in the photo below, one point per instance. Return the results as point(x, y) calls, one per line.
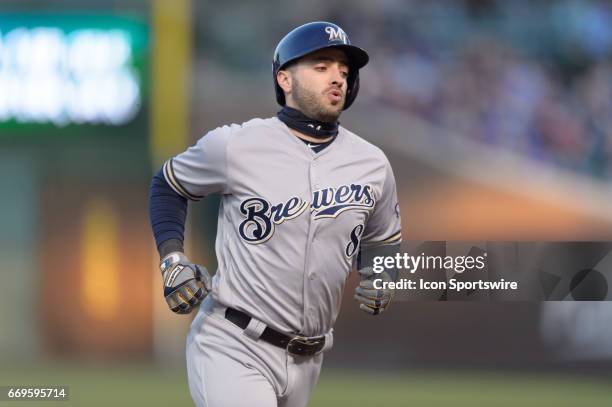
point(185, 284)
point(371, 300)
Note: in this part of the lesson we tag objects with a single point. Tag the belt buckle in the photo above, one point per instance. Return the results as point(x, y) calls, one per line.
point(303, 346)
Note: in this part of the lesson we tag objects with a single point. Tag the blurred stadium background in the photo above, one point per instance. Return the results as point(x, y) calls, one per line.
point(495, 115)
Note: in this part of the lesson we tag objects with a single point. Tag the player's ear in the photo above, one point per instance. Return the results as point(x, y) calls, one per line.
point(284, 79)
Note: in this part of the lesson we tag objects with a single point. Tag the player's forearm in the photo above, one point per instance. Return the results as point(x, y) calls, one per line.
point(167, 214)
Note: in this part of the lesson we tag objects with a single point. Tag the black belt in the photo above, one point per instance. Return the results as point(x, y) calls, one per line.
point(297, 345)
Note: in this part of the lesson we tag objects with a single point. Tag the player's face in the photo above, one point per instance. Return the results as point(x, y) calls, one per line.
point(318, 84)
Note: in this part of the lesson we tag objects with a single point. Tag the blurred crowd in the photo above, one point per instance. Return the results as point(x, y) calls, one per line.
point(533, 78)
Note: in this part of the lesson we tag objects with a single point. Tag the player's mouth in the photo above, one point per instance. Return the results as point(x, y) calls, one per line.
point(335, 95)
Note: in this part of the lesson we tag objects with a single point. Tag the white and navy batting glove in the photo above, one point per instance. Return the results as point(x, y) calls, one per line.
point(371, 300)
point(185, 284)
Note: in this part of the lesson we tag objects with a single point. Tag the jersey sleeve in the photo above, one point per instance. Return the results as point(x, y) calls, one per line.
point(202, 168)
point(384, 225)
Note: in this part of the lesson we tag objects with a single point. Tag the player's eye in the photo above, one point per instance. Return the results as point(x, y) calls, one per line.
point(344, 74)
point(321, 68)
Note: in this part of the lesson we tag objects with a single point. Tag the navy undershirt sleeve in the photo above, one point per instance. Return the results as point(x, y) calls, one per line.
point(167, 214)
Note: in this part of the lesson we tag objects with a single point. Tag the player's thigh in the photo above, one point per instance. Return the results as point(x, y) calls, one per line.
point(220, 381)
point(303, 372)
point(219, 373)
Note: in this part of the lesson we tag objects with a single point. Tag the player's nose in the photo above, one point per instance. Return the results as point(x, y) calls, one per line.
point(337, 76)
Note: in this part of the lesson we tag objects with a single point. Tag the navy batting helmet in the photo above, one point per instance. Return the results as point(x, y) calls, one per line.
point(312, 37)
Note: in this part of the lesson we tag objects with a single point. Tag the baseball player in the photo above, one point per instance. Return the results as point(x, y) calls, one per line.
point(300, 195)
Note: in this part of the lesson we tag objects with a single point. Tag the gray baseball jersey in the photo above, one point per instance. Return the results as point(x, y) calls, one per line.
point(291, 220)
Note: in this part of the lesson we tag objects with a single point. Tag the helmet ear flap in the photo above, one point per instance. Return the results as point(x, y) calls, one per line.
point(352, 90)
point(280, 95)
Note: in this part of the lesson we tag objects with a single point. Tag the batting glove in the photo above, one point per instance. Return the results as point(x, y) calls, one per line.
point(185, 284)
point(371, 300)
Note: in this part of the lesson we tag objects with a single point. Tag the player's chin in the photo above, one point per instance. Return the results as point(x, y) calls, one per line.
point(335, 107)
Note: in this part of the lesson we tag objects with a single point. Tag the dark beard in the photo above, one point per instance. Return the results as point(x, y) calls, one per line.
point(307, 103)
